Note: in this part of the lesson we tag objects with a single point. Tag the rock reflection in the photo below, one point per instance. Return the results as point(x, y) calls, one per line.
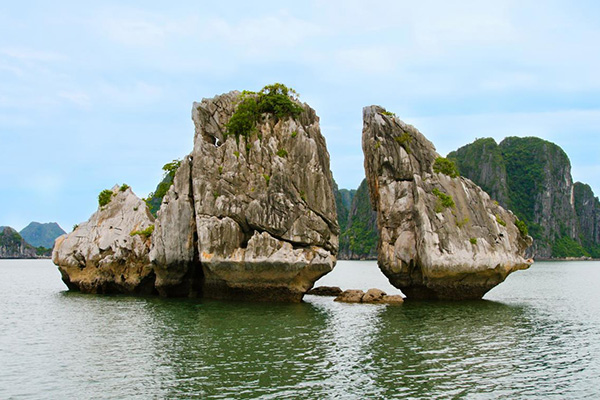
point(348, 340)
point(236, 350)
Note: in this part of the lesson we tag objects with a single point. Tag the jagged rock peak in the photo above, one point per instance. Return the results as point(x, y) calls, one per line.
point(252, 215)
point(441, 236)
point(109, 252)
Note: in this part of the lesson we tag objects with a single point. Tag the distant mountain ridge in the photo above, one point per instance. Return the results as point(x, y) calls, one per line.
point(42, 234)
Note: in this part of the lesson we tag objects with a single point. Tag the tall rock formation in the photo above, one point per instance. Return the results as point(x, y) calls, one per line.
point(43, 235)
point(587, 207)
point(441, 236)
point(12, 245)
point(109, 252)
point(251, 215)
point(532, 177)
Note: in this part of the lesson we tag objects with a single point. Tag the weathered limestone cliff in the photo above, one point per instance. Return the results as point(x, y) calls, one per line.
point(358, 241)
point(109, 252)
point(587, 207)
point(441, 237)
point(532, 177)
point(12, 244)
point(248, 216)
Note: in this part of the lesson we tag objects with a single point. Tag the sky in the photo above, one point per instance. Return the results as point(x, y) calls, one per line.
point(94, 94)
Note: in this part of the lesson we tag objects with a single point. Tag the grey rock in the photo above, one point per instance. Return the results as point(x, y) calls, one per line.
point(325, 291)
point(102, 256)
point(373, 296)
point(12, 244)
point(242, 221)
point(350, 296)
point(425, 249)
point(392, 299)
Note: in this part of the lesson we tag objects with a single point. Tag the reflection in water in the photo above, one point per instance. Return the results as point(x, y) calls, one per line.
point(225, 350)
point(347, 340)
point(538, 336)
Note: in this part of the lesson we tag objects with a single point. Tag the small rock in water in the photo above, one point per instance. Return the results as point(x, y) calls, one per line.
point(325, 291)
point(373, 296)
point(350, 296)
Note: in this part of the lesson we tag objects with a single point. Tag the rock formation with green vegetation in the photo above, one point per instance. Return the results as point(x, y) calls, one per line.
point(532, 177)
point(251, 213)
point(155, 198)
point(342, 206)
point(359, 237)
point(12, 245)
point(109, 253)
point(587, 207)
point(42, 235)
point(440, 235)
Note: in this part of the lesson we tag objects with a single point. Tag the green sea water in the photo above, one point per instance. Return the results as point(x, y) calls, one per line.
point(537, 335)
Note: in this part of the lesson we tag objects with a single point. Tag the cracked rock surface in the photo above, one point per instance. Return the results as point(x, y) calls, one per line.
point(426, 249)
point(248, 217)
point(102, 256)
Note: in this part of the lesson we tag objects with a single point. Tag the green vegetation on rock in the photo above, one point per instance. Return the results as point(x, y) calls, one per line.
point(444, 200)
point(145, 233)
point(105, 197)
point(359, 235)
point(12, 245)
point(276, 99)
point(568, 247)
point(155, 198)
point(500, 221)
point(445, 166)
point(282, 153)
point(404, 140)
point(531, 177)
point(522, 227)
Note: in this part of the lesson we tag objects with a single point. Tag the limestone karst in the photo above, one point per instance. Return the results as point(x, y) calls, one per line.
point(109, 253)
point(250, 215)
point(441, 236)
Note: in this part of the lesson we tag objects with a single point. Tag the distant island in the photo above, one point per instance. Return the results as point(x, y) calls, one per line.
point(34, 241)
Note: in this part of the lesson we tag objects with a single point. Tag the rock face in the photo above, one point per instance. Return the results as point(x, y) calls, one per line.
point(440, 237)
point(359, 238)
point(587, 207)
point(532, 177)
point(248, 217)
point(12, 245)
point(104, 254)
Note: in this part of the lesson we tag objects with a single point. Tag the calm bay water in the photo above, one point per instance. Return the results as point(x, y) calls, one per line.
point(537, 335)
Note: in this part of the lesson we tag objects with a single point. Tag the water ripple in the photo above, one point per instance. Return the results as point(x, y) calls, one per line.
point(536, 336)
